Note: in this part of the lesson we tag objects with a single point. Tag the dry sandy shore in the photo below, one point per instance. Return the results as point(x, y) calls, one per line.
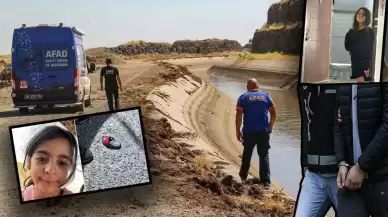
point(211, 113)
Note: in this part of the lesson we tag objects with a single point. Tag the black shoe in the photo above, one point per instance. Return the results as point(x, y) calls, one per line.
point(267, 185)
point(86, 157)
point(243, 177)
point(110, 142)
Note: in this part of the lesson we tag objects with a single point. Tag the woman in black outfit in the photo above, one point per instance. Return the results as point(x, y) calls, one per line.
point(359, 42)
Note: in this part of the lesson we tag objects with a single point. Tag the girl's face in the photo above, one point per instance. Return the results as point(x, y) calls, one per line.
point(360, 17)
point(50, 164)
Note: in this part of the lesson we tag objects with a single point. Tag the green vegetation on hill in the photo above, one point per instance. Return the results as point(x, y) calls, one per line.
point(181, 46)
point(279, 26)
point(283, 31)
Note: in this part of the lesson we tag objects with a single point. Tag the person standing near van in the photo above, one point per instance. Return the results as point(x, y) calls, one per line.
point(254, 106)
point(112, 84)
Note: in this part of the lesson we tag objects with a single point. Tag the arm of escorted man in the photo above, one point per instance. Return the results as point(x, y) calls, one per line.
point(378, 147)
point(339, 146)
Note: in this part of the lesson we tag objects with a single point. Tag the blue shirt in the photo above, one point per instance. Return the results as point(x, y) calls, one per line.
point(255, 105)
point(356, 137)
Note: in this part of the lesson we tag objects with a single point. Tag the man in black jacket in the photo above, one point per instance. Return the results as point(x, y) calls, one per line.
point(112, 84)
point(318, 189)
point(361, 146)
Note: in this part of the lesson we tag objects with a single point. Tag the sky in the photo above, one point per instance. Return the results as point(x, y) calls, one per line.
point(110, 23)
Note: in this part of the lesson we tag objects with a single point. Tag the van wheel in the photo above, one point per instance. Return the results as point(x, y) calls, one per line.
point(23, 110)
point(81, 107)
point(88, 102)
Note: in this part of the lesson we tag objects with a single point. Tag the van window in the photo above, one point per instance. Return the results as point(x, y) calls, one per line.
point(81, 56)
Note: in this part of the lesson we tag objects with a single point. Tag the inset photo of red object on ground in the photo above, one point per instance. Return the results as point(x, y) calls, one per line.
point(123, 160)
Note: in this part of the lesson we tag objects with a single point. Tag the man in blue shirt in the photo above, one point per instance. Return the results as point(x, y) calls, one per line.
point(254, 106)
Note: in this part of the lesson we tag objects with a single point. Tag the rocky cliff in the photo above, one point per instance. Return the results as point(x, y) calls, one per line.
point(181, 46)
point(283, 31)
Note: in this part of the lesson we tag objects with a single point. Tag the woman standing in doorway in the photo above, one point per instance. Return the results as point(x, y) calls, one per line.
point(359, 42)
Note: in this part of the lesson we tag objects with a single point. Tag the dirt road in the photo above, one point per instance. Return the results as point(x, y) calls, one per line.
point(10, 116)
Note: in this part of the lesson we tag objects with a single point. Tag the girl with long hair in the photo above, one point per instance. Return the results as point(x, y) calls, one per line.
point(359, 41)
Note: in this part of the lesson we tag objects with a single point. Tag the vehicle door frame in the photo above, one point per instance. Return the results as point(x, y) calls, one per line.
point(83, 74)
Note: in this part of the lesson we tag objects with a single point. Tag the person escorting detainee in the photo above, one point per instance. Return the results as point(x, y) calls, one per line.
point(112, 84)
point(254, 106)
point(361, 146)
point(318, 190)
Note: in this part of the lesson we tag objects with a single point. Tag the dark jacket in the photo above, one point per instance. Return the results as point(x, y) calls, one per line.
point(360, 46)
point(316, 102)
point(372, 104)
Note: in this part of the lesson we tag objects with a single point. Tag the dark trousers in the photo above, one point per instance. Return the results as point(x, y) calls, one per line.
point(250, 140)
point(370, 199)
point(112, 95)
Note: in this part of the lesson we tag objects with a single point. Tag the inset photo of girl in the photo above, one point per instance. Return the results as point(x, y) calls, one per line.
point(48, 160)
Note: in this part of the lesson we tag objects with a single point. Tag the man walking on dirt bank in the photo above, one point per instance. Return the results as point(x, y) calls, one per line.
point(254, 106)
point(112, 84)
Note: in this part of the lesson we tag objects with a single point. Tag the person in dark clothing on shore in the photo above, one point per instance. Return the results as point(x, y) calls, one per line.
point(112, 84)
point(254, 106)
point(359, 42)
point(319, 188)
point(361, 147)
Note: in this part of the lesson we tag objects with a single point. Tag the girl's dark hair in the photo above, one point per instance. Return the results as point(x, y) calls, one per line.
point(46, 134)
point(367, 17)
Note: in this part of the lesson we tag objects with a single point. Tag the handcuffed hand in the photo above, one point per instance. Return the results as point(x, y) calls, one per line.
point(354, 178)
